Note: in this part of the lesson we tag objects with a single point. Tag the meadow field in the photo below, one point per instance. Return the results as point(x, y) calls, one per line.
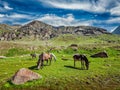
point(103, 73)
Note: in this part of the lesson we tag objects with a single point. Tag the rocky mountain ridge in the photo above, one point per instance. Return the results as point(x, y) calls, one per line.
point(40, 30)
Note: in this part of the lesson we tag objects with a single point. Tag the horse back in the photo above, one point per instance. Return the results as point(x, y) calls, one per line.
point(77, 57)
point(46, 56)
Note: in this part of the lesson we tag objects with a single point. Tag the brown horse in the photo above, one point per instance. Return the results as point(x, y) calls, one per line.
point(83, 59)
point(45, 57)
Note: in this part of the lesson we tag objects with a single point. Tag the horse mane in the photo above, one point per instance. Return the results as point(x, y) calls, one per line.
point(53, 56)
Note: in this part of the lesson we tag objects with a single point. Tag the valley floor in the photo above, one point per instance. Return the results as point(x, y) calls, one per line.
point(103, 74)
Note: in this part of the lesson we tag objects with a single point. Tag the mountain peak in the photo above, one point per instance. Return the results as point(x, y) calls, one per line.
point(37, 22)
point(117, 30)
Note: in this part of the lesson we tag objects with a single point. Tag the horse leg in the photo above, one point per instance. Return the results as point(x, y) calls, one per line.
point(38, 64)
point(50, 61)
point(82, 64)
point(87, 66)
point(74, 62)
point(42, 64)
point(47, 62)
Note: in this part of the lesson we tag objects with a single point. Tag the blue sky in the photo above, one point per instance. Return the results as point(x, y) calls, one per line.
point(98, 13)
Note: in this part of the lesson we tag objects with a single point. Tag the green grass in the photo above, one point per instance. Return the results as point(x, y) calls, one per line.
point(103, 73)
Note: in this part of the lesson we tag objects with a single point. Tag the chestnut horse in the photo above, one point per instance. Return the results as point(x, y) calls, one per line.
point(83, 59)
point(45, 57)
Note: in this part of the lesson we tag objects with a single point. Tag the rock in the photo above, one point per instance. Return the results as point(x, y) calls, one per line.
point(2, 57)
point(73, 45)
point(100, 54)
point(23, 75)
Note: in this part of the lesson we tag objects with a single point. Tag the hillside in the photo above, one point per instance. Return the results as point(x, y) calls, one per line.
point(5, 27)
point(117, 30)
point(40, 30)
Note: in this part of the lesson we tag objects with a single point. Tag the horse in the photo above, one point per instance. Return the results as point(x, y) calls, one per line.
point(83, 59)
point(45, 57)
point(33, 55)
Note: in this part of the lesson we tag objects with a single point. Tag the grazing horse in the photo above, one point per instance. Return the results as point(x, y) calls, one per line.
point(83, 59)
point(33, 55)
point(45, 57)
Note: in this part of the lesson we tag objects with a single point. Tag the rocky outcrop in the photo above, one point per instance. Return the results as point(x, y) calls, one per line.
point(40, 30)
point(81, 30)
point(100, 54)
point(23, 75)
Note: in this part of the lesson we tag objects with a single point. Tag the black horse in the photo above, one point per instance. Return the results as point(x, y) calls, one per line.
point(83, 59)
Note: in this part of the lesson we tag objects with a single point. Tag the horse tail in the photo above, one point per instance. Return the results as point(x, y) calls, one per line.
point(54, 56)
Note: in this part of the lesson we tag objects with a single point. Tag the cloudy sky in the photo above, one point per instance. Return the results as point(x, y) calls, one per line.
point(98, 13)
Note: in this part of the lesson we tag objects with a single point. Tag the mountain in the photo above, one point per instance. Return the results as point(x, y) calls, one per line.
point(39, 30)
point(117, 30)
point(5, 27)
point(36, 29)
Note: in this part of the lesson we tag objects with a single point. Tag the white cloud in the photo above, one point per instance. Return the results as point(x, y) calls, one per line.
point(99, 6)
point(107, 21)
point(95, 6)
point(18, 16)
point(2, 15)
point(66, 20)
point(115, 10)
point(14, 18)
point(113, 20)
point(6, 6)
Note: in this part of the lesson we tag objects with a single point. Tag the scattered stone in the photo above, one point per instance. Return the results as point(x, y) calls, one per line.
point(23, 75)
point(100, 54)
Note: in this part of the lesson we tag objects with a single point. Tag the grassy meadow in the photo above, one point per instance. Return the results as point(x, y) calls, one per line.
point(103, 74)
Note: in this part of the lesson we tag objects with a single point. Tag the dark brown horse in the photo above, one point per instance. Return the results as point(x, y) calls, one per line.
point(33, 55)
point(83, 59)
point(45, 57)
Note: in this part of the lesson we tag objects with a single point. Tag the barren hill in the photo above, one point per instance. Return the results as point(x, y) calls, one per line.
point(39, 30)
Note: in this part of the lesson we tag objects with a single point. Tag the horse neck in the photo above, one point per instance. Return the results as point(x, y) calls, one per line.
point(86, 60)
point(41, 56)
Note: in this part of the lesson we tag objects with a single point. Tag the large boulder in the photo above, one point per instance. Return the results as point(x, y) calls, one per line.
point(23, 75)
point(100, 54)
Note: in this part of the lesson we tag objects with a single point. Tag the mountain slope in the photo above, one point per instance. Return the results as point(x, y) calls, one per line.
point(39, 30)
point(117, 30)
point(5, 27)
